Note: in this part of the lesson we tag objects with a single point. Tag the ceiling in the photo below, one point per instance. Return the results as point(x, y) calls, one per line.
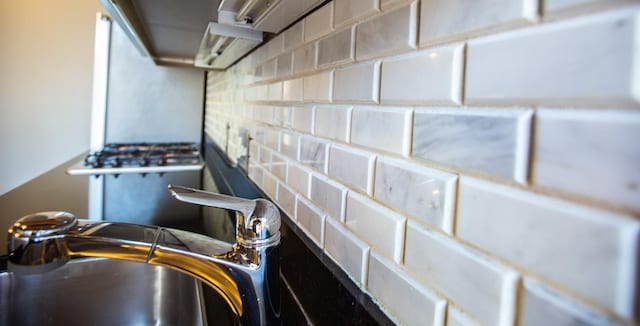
point(175, 28)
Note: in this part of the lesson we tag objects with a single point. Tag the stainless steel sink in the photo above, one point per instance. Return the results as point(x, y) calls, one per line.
point(101, 292)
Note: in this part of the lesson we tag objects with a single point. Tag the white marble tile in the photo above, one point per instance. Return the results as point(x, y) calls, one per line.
point(289, 144)
point(367, 122)
point(391, 4)
point(442, 20)
point(302, 119)
point(269, 184)
point(284, 65)
point(553, 239)
point(319, 23)
point(256, 174)
point(254, 153)
point(424, 193)
point(286, 198)
point(486, 140)
point(292, 90)
point(357, 83)
point(336, 49)
point(333, 122)
point(269, 69)
point(348, 11)
point(389, 33)
point(298, 178)
point(456, 317)
point(573, 147)
point(304, 58)
point(317, 88)
point(330, 196)
point(475, 283)
point(313, 152)
point(311, 220)
point(431, 77)
point(294, 36)
point(272, 138)
point(405, 299)
point(554, 8)
point(346, 250)
point(380, 227)
point(282, 116)
point(352, 167)
point(274, 47)
point(593, 70)
point(278, 166)
point(274, 91)
point(543, 306)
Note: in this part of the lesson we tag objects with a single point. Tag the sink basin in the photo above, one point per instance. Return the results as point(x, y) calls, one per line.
point(101, 292)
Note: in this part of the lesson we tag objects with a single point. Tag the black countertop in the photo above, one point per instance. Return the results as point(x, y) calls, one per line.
point(314, 289)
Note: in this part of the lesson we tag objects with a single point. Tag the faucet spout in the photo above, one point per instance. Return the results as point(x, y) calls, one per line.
point(245, 274)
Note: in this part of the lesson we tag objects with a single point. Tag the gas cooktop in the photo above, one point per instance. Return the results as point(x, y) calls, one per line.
point(119, 158)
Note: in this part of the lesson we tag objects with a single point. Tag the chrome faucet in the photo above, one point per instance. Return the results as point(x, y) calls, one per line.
point(245, 274)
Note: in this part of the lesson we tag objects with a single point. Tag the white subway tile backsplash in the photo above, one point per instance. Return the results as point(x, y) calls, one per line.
point(592, 70)
point(408, 301)
point(359, 83)
point(286, 199)
point(336, 49)
point(289, 144)
point(333, 122)
point(431, 77)
point(294, 36)
point(278, 166)
point(367, 124)
point(271, 138)
point(348, 11)
point(491, 141)
point(555, 6)
point(443, 20)
point(390, 4)
point(292, 90)
point(269, 184)
point(284, 65)
point(317, 88)
point(346, 250)
point(275, 91)
point(378, 226)
point(573, 146)
point(269, 69)
point(554, 239)
point(427, 194)
point(302, 119)
point(319, 23)
point(456, 317)
point(352, 167)
point(256, 174)
point(282, 116)
point(543, 306)
point(304, 58)
point(480, 286)
point(389, 33)
point(298, 178)
point(311, 219)
point(313, 152)
point(329, 195)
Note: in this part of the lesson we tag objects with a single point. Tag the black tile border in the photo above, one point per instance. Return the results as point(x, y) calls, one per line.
point(321, 289)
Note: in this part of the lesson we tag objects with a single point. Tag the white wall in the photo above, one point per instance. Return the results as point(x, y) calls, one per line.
point(46, 65)
point(463, 161)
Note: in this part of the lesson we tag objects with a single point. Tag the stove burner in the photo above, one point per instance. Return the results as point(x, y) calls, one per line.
point(144, 154)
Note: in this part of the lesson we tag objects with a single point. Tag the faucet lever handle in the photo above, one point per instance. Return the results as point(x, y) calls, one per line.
point(199, 197)
point(260, 223)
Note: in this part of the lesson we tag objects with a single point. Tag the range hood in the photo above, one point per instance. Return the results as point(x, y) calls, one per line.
point(209, 34)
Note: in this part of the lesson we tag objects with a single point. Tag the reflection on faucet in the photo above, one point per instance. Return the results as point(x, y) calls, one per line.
point(245, 274)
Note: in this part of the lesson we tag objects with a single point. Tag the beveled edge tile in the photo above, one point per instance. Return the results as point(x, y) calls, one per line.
point(371, 165)
point(440, 304)
point(398, 246)
point(450, 181)
point(312, 207)
point(343, 193)
point(361, 279)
